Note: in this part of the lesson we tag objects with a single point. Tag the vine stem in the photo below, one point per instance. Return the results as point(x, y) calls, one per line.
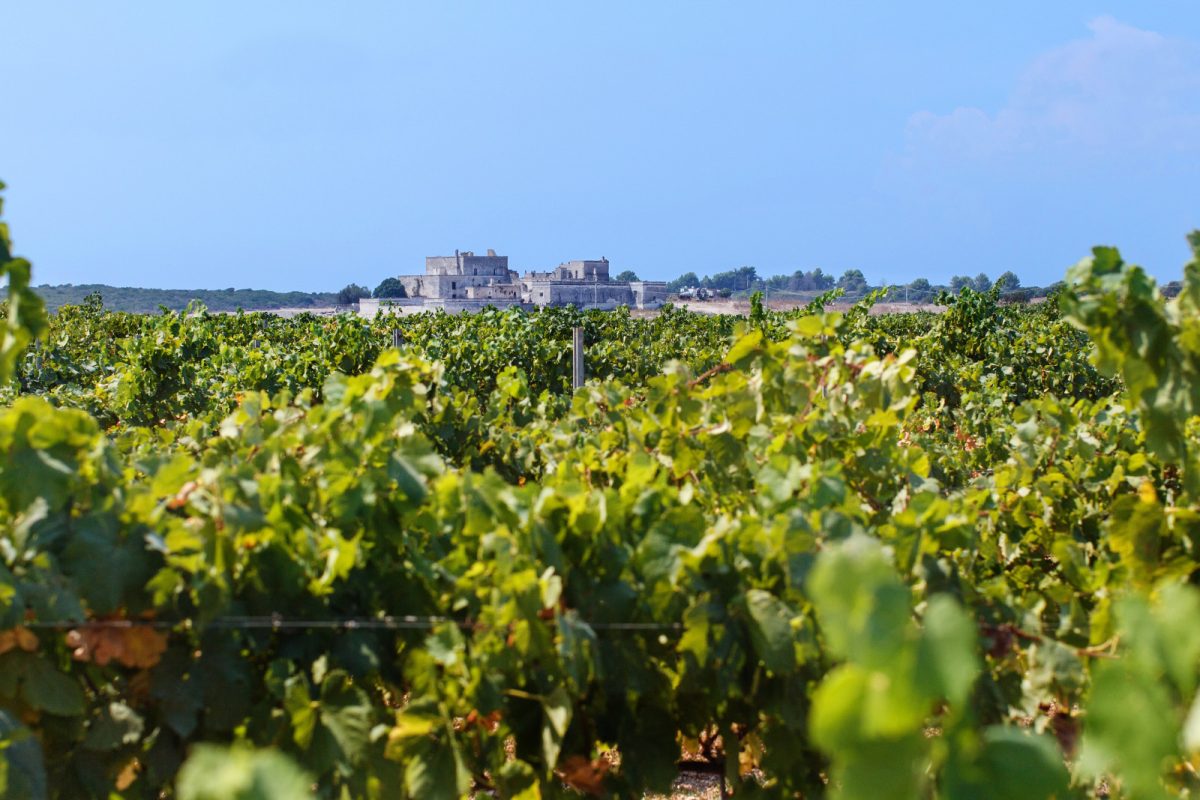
point(717, 370)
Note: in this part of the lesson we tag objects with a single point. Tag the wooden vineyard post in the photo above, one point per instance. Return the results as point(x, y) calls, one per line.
point(397, 338)
point(577, 376)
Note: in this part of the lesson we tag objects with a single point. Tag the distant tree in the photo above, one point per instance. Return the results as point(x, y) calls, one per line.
point(1172, 289)
point(960, 282)
point(1008, 282)
point(626, 276)
point(94, 302)
point(819, 281)
point(1047, 291)
point(390, 287)
point(686, 279)
point(981, 283)
point(735, 280)
point(852, 282)
point(745, 278)
point(802, 281)
point(919, 291)
point(781, 282)
point(351, 293)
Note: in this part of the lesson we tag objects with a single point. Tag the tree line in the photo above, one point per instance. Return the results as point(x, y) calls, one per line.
point(852, 282)
point(746, 279)
point(149, 301)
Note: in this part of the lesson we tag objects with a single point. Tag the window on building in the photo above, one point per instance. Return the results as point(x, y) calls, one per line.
point(453, 284)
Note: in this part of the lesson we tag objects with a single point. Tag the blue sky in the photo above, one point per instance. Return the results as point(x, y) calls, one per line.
point(304, 145)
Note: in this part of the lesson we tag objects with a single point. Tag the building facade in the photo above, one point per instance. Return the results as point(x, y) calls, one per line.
point(452, 277)
point(467, 282)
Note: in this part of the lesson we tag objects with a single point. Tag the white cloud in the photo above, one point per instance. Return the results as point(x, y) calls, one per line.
point(1120, 90)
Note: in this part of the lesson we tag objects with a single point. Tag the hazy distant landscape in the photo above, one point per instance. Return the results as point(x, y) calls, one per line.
point(781, 291)
point(139, 300)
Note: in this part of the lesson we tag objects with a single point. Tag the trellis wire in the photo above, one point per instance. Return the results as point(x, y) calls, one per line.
point(279, 622)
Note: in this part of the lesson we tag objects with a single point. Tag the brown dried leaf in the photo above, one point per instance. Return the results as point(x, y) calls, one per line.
point(144, 646)
point(128, 774)
point(583, 775)
point(749, 755)
point(26, 639)
point(181, 497)
point(135, 646)
point(19, 636)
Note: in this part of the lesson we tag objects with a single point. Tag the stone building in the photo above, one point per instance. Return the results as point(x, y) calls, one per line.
point(450, 277)
point(595, 271)
point(467, 282)
point(585, 284)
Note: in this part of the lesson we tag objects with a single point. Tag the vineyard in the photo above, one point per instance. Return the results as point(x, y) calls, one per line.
point(829, 555)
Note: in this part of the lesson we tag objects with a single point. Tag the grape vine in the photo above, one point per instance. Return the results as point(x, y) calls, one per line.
point(855, 556)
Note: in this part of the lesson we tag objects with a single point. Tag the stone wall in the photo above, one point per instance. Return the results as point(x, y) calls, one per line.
point(496, 266)
point(471, 306)
point(649, 294)
point(467, 264)
point(580, 294)
point(441, 265)
point(447, 287)
point(369, 306)
point(582, 271)
point(495, 291)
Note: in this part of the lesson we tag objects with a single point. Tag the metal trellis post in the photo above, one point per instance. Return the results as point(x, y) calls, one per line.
point(577, 376)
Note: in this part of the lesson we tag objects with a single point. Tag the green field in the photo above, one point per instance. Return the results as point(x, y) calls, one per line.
point(838, 554)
